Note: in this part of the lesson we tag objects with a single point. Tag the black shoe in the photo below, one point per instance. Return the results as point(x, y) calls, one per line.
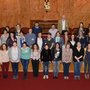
point(25, 77)
point(5, 76)
point(55, 77)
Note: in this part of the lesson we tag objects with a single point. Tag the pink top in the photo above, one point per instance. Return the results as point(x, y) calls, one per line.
point(4, 57)
point(67, 55)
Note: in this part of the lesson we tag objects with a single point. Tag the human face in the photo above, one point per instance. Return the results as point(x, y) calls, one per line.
point(18, 27)
point(88, 46)
point(14, 44)
point(49, 36)
point(36, 24)
point(68, 46)
point(30, 31)
point(21, 34)
point(72, 37)
point(58, 34)
point(63, 17)
point(53, 26)
point(57, 45)
point(81, 25)
point(5, 32)
point(89, 34)
point(78, 44)
point(46, 47)
point(24, 45)
point(4, 47)
point(39, 34)
point(35, 47)
point(12, 35)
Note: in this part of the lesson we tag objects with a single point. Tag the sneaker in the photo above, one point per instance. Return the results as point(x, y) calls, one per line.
point(47, 77)
point(85, 76)
point(15, 77)
point(25, 77)
point(65, 77)
point(78, 77)
point(55, 77)
point(44, 77)
point(75, 78)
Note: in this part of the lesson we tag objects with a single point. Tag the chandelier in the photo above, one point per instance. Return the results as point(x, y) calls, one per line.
point(46, 5)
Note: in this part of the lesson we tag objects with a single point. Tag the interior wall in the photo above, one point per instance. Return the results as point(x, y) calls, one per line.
point(23, 11)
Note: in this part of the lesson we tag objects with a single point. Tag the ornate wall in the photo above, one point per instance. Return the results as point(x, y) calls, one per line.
point(23, 11)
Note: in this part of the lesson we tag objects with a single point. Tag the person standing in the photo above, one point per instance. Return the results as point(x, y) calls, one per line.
point(14, 55)
point(57, 60)
point(4, 36)
point(36, 29)
point(66, 59)
point(78, 55)
point(20, 39)
point(11, 39)
point(30, 38)
point(35, 57)
point(63, 25)
point(72, 42)
point(4, 60)
point(87, 62)
point(25, 58)
point(46, 57)
point(59, 39)
point(53, 31)
point(40, 41)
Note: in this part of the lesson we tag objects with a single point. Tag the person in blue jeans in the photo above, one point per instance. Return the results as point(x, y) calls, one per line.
point(56, 60)
point(66, 59)
point(87, 62)
point(78, 55)
point(25, 57)
point(14, 55)
point(46, 57)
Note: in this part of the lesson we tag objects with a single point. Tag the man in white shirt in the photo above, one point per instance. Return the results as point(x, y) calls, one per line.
point(63, 25)
point(53, 31)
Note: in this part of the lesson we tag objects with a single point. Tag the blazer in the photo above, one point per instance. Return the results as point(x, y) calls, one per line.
point(60, 25)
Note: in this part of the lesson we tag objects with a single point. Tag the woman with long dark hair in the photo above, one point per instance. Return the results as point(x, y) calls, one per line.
point(4, 59)
point(35, 56)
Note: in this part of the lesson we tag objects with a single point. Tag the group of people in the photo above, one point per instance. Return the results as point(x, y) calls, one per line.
point(58, 47)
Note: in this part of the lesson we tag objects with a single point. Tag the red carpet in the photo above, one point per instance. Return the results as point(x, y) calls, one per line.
point(40, 84)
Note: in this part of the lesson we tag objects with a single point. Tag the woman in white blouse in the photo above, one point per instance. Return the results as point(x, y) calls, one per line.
point(40, 41)
point(35, 56)
point(14, 55)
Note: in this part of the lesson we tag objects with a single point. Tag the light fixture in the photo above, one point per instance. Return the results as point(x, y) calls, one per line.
point(46, 5)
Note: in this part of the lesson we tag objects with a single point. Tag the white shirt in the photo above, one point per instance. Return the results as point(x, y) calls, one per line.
point(63, 24)
point(73, 43)
point(14, 53)
point(35, 55)
point(39, 42)
point(53, 32)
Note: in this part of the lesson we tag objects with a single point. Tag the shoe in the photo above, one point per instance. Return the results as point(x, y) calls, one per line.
point(44, 77)
point(78, 77)
point(47, 77)
point(5, 76)
point(55, 77)
point(15, 76)
point(85, 76)
point(65, 77)
point(75, 77)
point(25, 77)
